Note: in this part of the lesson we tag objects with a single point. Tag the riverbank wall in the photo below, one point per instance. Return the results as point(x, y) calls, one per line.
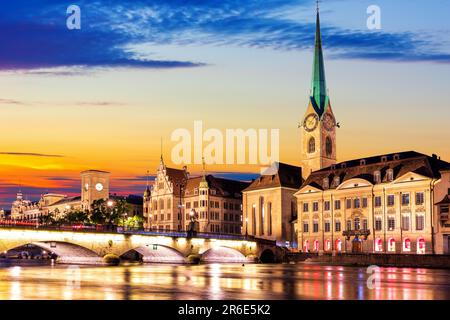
point(382, 260)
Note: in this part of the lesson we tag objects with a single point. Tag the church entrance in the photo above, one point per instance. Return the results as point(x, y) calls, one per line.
point(356, 245)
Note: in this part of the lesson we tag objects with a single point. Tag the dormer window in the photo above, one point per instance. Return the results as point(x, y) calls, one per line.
point(377, 176)
point(196, 191)
point(333, 167)
point(384, 159)
point(390, 175)
point(396, 157)
point(326, 183)
point(343, 165)
point(336, 181)
point(362, 162)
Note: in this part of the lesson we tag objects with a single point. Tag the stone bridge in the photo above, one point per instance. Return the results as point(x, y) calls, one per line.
point(90, 247)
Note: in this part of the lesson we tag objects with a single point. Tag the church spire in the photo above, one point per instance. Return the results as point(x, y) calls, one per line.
point(319, 96)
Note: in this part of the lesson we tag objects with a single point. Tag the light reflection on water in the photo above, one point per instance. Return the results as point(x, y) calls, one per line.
point(219, 281)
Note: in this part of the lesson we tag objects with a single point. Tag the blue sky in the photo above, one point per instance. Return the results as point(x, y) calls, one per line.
point(35, 36)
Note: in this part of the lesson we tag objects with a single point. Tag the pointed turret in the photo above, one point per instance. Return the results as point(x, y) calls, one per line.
point(319, 96)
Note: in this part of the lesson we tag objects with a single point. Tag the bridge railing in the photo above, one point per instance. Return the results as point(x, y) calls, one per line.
point(85, 228)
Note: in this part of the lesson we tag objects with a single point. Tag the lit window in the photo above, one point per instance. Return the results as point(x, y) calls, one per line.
point(338, 245)
point(357, 224)
point(406, 245)
point(327, 245)
point(421, 246)
point(391, 245)
point(378, 245)
point(306, 246)
point(357, 203)
point(316, 245)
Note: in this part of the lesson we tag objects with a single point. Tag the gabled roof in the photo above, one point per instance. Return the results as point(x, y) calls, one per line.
point(287, 176)
point(401, 163)
point(66, 200)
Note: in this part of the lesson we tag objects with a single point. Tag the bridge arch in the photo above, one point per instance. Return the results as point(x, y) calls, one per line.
point(267, 256)
point(65, 252)
point(155, 253)
point(223, 254)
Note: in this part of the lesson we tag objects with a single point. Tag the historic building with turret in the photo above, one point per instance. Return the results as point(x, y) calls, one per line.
point(176, 199)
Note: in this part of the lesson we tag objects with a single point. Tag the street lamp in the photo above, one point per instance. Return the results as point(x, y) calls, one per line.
point(110, 203)
point(246, 226)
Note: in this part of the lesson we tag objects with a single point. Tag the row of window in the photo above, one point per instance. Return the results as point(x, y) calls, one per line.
point(357, 225)
point(357, 203)
point(378, 245)
point(376, 176)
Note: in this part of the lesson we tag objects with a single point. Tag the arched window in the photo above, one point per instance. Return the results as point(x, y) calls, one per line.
point(328, 146)
point(311, 145)
point(306, 246)
point(327, 245)
point(316, 245)
point(261, 216)
point(421, 246)
point(269, 214)
point(338, 245)
point(406, 245)
point(391, 245)
point(378, 245)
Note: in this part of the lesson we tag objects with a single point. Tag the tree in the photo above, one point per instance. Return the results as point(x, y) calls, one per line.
point(48, 219)
point(136, 222)
point(102, 213)
point(77, 216)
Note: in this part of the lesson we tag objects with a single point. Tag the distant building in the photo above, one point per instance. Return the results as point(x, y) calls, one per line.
point(94, 186)
point(215, 203)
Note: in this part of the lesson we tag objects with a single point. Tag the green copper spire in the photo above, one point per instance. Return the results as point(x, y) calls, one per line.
point(319, 96)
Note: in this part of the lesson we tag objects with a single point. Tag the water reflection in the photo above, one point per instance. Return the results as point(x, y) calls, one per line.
point(219, 281)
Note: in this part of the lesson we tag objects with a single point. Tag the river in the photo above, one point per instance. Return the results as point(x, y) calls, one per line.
point(220, 281)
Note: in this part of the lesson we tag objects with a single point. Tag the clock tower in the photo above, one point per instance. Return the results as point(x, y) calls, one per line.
point(318, 127)
point(94, 186)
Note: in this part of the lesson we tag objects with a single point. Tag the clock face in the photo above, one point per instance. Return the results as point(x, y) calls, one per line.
point(328, 122)
point(86, 186)
point(311, 122)
point(99, 187)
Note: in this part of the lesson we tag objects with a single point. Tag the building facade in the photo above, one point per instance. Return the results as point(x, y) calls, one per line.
point(270, 207)
point(381, 204)
point(176, 198)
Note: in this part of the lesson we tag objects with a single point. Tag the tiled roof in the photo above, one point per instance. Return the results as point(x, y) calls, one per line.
point(287, 176)
point(224, 187)
point(400, 163)
point(66, 200)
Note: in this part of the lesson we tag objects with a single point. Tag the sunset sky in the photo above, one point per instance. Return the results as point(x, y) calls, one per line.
point(103, 97)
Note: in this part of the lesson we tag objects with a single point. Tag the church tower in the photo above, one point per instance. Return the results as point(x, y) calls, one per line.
point(318, 126)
